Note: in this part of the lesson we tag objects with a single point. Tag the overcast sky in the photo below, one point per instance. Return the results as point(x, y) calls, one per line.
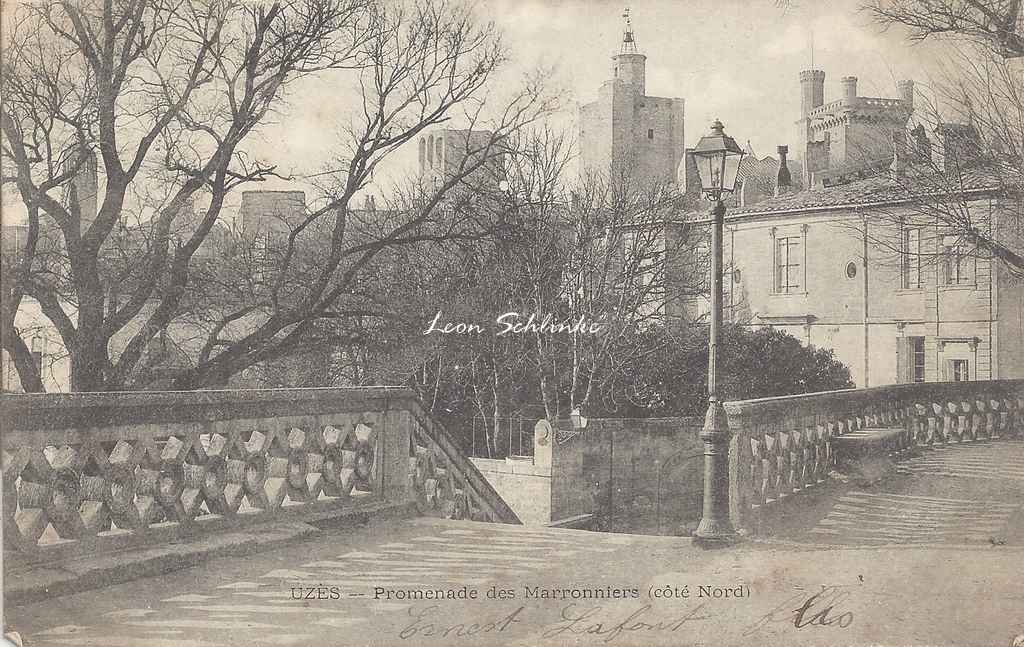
point(736, 60)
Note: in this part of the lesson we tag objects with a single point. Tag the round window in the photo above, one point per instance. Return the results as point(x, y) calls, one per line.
point(851, 270)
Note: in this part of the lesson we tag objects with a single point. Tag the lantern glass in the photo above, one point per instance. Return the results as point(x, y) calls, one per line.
point(709, 168)
point(731, 169)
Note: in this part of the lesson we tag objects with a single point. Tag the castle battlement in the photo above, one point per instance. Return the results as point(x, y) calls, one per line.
point(850, 132)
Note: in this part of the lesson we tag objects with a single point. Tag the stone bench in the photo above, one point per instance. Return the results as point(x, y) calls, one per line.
point(867, 455)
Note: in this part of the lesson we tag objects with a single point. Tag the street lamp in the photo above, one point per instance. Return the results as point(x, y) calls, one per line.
point(718, 162)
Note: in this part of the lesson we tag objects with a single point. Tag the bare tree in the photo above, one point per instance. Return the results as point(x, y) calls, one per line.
point(599, 256)
point(994, 24)
point(956, 181)
point(162, 97)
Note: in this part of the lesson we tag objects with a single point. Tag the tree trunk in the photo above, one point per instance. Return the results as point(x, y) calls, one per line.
point(89, 361)
point(19, 353)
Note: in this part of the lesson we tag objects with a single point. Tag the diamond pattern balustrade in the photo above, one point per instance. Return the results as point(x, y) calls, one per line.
point(782, 446)
point(88, 471)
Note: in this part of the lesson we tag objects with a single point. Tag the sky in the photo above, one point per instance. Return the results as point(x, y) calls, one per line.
point(735, 60)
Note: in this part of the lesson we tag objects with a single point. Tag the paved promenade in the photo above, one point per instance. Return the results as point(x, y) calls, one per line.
point(929, 558)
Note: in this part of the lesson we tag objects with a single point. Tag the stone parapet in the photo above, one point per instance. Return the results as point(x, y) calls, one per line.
point(99, 471)
point(783, 446)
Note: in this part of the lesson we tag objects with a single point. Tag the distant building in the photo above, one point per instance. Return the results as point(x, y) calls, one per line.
point(446, 153)
point(45, 347)
point(271, 212)
point(849, 134)
point(85, 186)
point(627, 130)
point(757, 179)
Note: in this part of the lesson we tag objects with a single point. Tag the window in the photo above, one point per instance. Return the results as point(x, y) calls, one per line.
point(36, 349)
point(958, 265)
point(958, 370)
point(787, 264)
point(851, 270)
point(917, 359)
point(650, 133)
point(910, 259)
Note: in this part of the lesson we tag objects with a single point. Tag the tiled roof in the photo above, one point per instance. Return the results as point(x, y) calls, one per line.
point(751, 167)
point(872, 190)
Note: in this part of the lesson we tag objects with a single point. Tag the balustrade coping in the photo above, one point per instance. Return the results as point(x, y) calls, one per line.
point(740, 406)
point(40, 411)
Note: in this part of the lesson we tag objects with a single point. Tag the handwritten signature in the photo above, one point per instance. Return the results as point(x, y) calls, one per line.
point(424, 625)
point(823, 609)
point(583, 621)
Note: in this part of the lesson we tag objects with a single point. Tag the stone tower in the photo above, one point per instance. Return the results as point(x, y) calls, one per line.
point(626, 131)
point(442, 153)
point(851, 134)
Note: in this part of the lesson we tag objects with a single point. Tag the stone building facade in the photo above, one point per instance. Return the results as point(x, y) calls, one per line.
point(271, 212)
point(858, 268)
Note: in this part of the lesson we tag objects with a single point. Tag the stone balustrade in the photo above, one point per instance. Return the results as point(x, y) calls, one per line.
point(95, 471)
point(782, 446)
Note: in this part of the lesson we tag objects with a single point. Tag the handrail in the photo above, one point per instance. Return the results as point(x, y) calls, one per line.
point(489, 498)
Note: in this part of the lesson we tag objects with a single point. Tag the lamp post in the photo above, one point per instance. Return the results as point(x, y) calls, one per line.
point(718, 162)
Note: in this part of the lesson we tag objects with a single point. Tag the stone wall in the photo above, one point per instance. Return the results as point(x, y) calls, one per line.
point(524, 486)
point(614, 468)
point(619, 474)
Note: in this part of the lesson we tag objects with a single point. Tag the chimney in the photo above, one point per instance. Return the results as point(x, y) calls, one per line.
point(906, 92)
point(690, 175)
point(849, 90)
point(812, 91)
point(784, 181)
point(897, 170)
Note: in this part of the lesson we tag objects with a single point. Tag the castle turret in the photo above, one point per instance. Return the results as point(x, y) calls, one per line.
point(630, 67)
point(812, 91)
point(849, 90)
